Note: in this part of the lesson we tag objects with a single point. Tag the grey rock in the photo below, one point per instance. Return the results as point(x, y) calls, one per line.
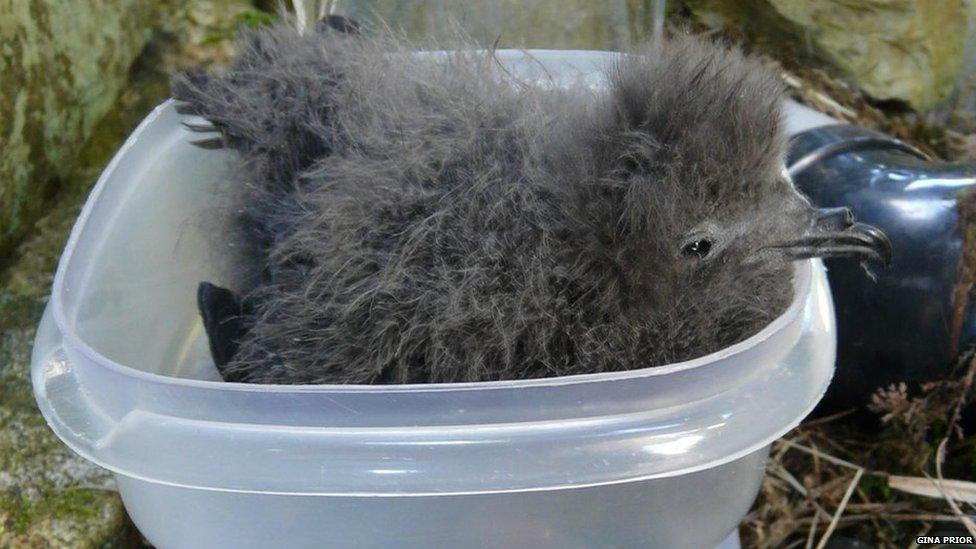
point(903, 50)
point(62, 65)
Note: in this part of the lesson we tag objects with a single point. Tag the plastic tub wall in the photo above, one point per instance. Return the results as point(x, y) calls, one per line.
point(670, 456)
point(653, 513)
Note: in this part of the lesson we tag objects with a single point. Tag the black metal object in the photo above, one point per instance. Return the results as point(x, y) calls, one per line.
point(909, 324)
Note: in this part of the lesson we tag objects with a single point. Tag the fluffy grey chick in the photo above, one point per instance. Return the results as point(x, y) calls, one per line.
point(418, 222)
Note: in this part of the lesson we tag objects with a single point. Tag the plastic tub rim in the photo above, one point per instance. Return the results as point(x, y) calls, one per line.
point(454, 493)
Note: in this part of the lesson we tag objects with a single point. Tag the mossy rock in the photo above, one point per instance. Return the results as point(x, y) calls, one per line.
point(49, 497)
point(901, 50)
point(573, 24)
point(62, 64)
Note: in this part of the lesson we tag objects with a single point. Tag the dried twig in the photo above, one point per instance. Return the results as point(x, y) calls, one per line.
point(953, 427)
point(959, 490)
point(811, 535)
point(964, 519)
point(785, 475)
point(821, 455)
point(840, 508)
point(896, 517)
point(828, 419)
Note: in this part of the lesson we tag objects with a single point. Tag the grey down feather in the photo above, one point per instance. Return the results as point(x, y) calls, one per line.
point(419, 221)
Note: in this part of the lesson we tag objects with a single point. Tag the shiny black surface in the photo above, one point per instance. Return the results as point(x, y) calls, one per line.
point(900, 327)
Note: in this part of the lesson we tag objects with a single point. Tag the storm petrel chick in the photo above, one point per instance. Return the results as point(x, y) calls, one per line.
point(430, 218)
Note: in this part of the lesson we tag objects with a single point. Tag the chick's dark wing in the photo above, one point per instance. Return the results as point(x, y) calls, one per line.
point(224, 315)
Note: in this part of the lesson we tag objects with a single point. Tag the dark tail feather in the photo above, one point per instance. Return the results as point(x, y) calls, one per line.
point(224, 316)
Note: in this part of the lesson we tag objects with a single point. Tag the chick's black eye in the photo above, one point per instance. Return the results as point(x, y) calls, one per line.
point(698, 248)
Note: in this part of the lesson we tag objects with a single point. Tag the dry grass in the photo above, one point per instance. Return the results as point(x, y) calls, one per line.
point(835, 476)
point(931, 134)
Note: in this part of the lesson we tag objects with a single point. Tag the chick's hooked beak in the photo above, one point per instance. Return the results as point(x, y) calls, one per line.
point(834, 234)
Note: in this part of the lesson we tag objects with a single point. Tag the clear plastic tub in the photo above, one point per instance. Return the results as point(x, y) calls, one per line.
point(660, 457)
